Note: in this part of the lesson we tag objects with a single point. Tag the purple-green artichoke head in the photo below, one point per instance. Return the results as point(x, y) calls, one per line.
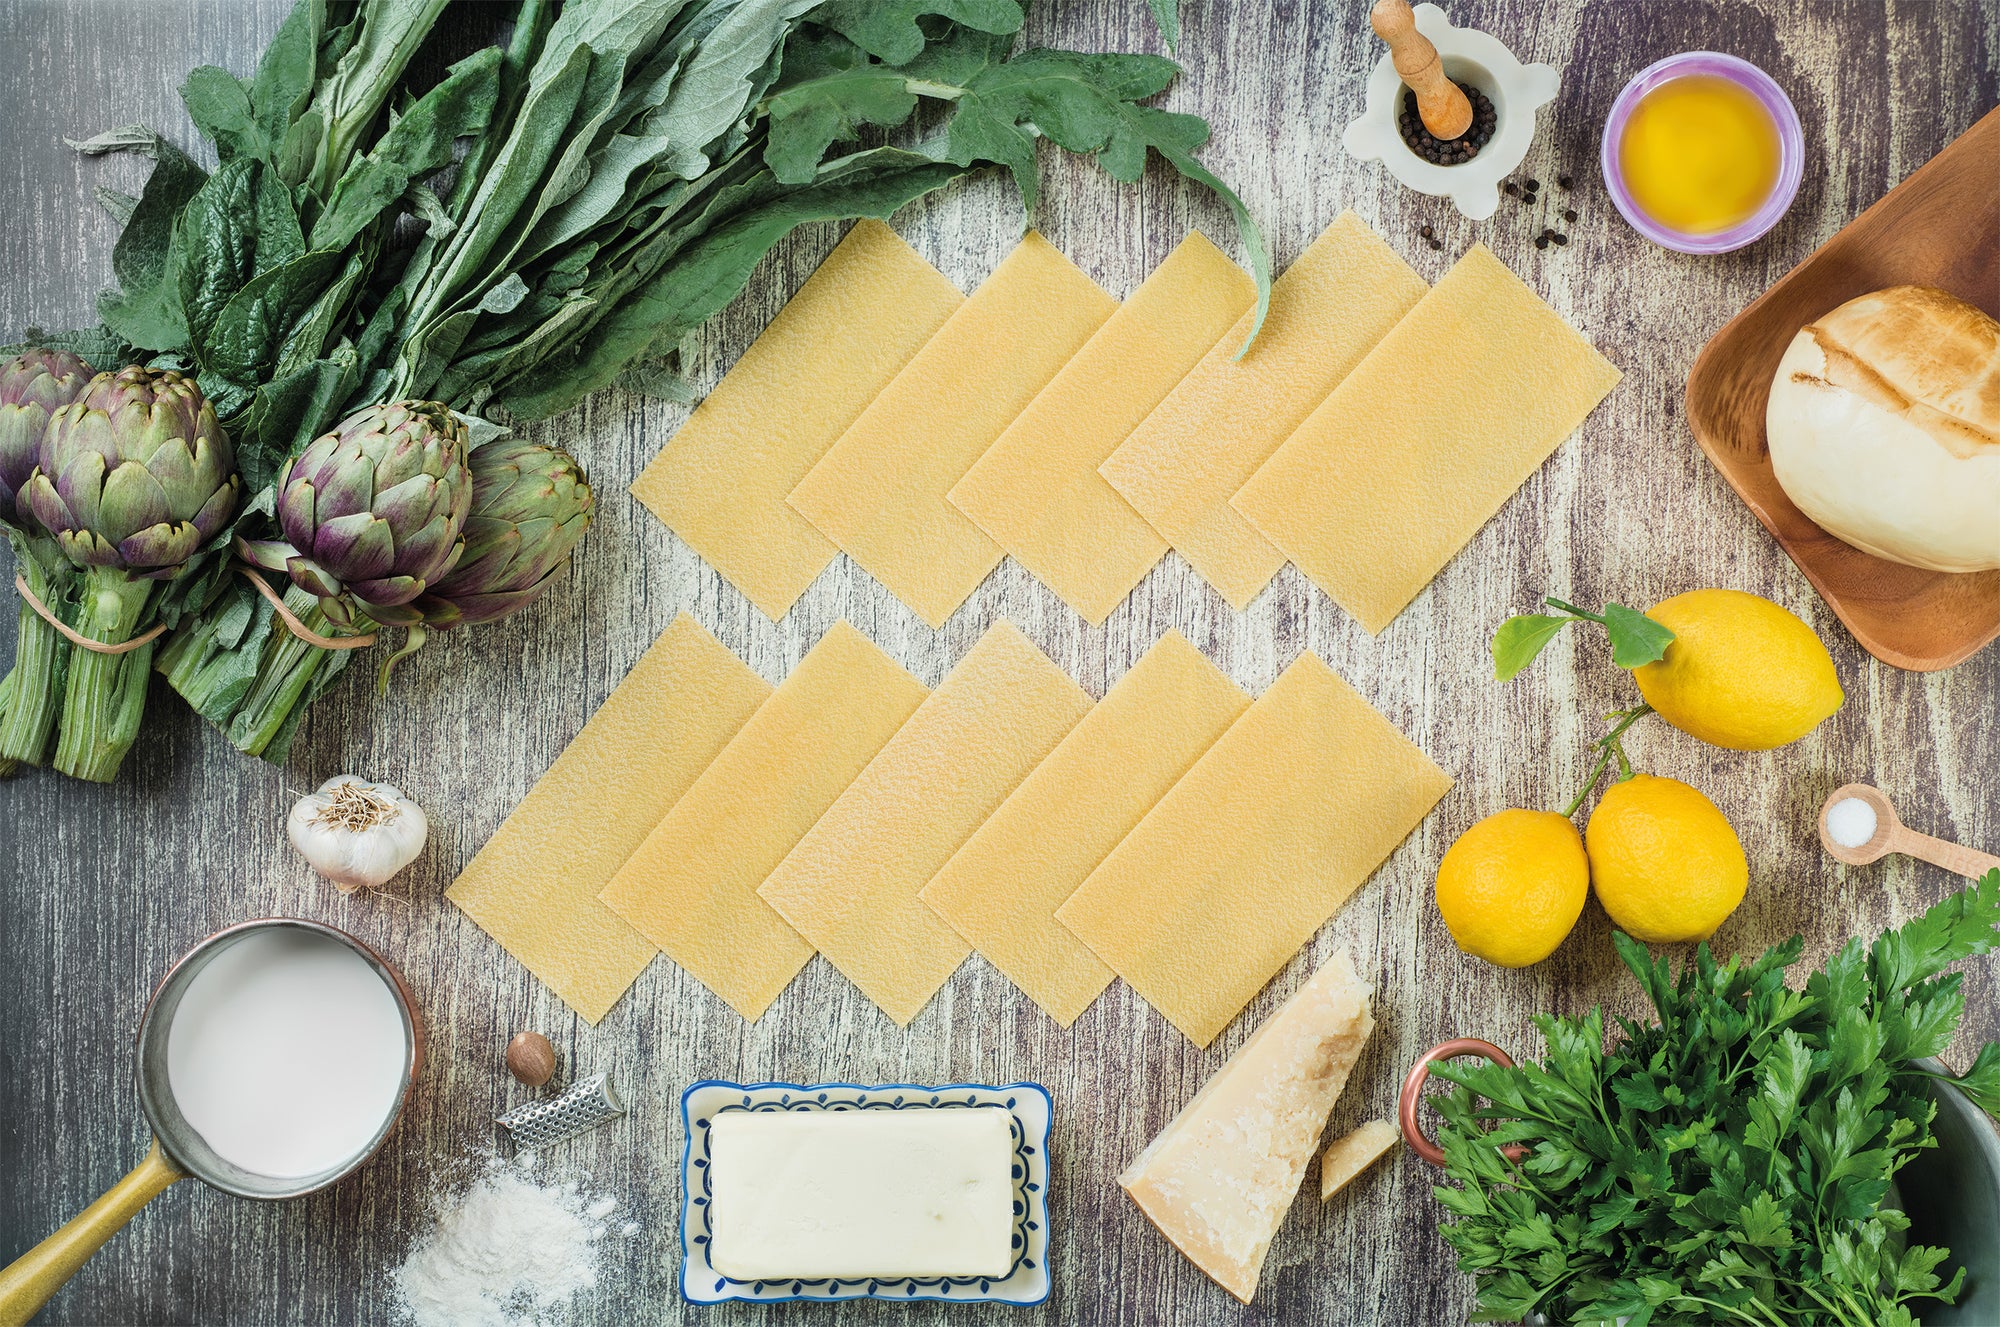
point(33, 386)
point(134, 474)
point(372, 512)
point(530, 504)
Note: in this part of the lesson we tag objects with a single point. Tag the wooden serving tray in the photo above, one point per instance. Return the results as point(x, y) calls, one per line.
point(1940, 227)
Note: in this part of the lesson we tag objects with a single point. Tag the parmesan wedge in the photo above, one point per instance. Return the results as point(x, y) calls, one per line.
point(1220, 1178)
point(1353, 1153)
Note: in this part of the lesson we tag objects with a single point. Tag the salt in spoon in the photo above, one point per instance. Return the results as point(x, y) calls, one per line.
point(1892, 835)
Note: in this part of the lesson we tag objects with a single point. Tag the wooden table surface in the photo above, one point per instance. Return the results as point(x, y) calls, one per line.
point(101, 887)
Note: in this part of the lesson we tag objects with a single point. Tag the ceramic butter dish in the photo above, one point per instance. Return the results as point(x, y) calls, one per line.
point(838, 1191)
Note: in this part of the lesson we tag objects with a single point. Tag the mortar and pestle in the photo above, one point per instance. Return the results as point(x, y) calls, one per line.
point(1431, 58)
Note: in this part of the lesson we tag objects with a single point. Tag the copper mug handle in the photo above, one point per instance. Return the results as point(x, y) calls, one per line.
point(1413, 1094)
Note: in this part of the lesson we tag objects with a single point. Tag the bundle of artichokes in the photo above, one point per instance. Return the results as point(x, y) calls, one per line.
point(131, 482)
point(393, 519)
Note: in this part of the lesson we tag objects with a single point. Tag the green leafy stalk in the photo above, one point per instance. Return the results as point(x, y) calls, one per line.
point(1732, 1160)
point(290, 670)
point(41, 661)
point(105, 696)
point(7, 767)
point(1000, 105)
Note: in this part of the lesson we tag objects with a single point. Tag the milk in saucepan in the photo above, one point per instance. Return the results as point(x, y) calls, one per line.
point(286, 1053)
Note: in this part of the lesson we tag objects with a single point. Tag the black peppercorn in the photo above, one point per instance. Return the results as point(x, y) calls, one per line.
point(1569, 214)
point(1559, 237)
point(1541, 241)
point(1455, 151)
point(1563, 181)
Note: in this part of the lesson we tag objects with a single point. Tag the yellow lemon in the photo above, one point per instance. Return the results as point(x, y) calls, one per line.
point(1513, 885)
point(1742, 672)
point(1665, 863)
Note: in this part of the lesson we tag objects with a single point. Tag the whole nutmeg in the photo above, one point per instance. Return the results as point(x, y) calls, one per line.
point(531, 1059)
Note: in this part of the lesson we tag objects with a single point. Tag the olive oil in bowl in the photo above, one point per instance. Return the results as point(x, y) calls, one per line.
point(1700, 154)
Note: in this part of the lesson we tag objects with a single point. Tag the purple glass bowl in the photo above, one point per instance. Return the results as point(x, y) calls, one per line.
point(1791, 150)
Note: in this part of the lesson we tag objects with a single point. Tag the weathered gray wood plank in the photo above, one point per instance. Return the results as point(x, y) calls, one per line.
point(101, 888)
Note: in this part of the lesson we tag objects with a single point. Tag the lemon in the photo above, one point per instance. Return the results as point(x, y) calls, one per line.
point(1741, 673)
point(1513, 885)
point(1665, 863)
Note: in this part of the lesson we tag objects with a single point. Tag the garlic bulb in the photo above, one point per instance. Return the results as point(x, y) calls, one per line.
point(356, 833)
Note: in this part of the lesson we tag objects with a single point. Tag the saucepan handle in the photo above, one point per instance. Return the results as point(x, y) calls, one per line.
point(1413, 1094)
point(37, 1274)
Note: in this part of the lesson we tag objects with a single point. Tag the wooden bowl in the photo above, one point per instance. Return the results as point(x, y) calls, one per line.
point(1940, 227)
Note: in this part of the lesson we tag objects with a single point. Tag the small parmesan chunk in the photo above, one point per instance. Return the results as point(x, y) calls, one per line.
point(1354, 1153)
point(1220, 1178)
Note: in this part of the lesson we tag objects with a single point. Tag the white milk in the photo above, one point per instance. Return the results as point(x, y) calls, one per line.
point(286, 1054)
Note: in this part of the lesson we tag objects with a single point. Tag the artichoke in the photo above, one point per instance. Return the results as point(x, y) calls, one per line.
point(135, 475)
point(133, 480)
point(372, 512)
point(32, 387)
point(530, 504)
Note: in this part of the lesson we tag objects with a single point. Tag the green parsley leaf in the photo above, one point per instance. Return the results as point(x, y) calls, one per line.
point(1730, 1159)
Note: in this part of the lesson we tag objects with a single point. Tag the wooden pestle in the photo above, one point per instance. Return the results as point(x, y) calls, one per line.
point(1445, 110)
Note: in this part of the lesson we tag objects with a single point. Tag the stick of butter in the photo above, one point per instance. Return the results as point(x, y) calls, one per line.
point(923, 1191)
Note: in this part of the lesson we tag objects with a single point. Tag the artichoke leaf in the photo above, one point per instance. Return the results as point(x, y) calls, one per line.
point(888, 29)
point(417, 145)
point(709, 272)
point(219, 105)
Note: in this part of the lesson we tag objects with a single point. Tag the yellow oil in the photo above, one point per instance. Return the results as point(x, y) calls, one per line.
point(1699, 154)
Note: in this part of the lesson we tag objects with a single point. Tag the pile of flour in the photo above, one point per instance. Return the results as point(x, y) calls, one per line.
point(510, 1250)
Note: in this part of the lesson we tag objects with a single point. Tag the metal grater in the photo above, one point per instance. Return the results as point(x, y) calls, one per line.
point(580, 1108)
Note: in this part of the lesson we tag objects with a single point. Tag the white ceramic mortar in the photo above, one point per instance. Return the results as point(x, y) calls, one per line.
point(1517, 91)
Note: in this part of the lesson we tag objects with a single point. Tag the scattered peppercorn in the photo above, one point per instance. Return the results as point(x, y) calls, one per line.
point(1437, 244)
point(1533, 185)
point(1569, 214)
point(1559, 237)
point(1448, 152)
point(1512, 188)
point(1541, 241)
point(1424, 231)
point(1563, 181)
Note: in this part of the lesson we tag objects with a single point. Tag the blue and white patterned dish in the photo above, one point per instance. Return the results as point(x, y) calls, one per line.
point(1027, 1104)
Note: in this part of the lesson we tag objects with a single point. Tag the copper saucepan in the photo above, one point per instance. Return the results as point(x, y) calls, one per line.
point(1413, 1094)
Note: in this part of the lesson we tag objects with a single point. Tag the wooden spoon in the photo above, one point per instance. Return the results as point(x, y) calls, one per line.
point(1892, 835)
point(1445, 110)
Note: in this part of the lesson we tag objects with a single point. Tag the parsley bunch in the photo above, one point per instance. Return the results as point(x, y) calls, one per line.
point(1732, 1162)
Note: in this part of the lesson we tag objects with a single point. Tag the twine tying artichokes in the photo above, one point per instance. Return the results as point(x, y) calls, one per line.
point(117, 488)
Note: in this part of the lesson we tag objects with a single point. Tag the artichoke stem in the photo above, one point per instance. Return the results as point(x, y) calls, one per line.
point(284, 676)
point(41, 659)
point(7, 767)
point(106, 693)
